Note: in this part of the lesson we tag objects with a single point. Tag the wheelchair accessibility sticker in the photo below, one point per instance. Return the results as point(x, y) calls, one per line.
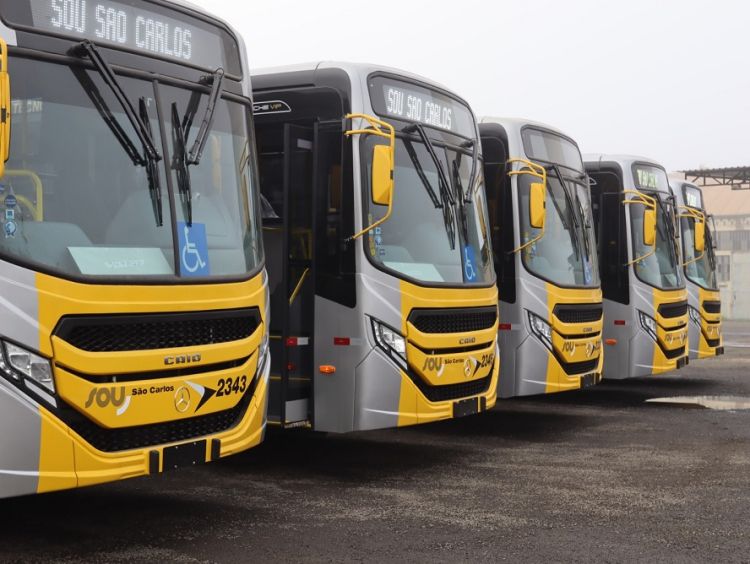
point(193, 249)
point(470, 274)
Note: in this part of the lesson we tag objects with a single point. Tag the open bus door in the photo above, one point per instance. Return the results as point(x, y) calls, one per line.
point(296, 171)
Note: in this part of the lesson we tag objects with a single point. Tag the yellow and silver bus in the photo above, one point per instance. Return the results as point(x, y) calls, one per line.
point(545, 258)
point(133, 296)
point(645, 300)
point(699, 266)
point(383, 297)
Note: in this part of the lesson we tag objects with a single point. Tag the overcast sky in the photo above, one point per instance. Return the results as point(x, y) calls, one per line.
point(666, 79)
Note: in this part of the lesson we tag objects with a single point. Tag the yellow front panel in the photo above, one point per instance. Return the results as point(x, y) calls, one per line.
point(671, 332)
point(672, 340)
point(435, 369)
point(58, 298)
point(154, 401)
point(67, 459)
point(454, 368)
point(98, 364)
point(572, 342)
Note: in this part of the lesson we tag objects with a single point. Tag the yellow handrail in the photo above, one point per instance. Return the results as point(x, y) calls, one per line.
point(36, 210)
point(537, 171)
point(646, 201)
point(695, 215)
point(378, 127)
point(298, 287)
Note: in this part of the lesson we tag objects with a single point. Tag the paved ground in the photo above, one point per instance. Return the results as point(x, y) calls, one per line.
point(592, 476)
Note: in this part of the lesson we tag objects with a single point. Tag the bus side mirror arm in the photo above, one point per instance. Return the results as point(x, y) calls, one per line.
point(4, 107)
point(383, 164)
point(649, 220)
point(537, 197)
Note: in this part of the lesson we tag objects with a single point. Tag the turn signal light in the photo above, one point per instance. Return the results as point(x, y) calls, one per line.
point(611, 342)
point(327, 369)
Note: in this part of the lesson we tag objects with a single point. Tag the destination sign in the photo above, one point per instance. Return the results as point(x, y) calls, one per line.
point(693, 197)
point(410, 102)
point(175, 37)
point(649, 177)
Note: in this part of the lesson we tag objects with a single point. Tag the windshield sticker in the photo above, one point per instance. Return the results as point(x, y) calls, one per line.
point(120, 261)
point(11, 201)
point(417, 270)
point(470, 273)
point(10, 229)
point(193, 249)
point(10, 215)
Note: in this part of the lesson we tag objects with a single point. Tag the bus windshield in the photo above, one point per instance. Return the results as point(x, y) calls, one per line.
point(659, 268)
point(566, 254)
point(426, 238)
point(77, 202)
point(700, 268)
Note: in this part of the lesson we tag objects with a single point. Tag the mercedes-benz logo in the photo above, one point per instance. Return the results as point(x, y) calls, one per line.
point(182, 399)
point(590, 349)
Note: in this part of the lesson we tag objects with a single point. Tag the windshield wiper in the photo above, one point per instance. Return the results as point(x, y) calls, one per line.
point(140, 122)
point(420, 172)
point(448, 200)
point(462, 200)
point(571, 209)
point(180, 165)
point(473, 176)
point(152, 171)
point(196, 153)
point(180, 128)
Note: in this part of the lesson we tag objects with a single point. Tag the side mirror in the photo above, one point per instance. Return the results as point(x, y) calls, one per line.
point(649, 227)
point(4, 107)
point(537, 204)
point(382, 175)
point(700, 236)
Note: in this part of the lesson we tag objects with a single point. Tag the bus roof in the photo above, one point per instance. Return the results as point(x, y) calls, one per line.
point(518, 123)
point(626, 160)
point(352, 69)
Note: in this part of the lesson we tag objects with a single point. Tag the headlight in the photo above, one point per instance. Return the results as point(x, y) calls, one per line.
point(541, 329)
point(391, 341)
point(648, 324)
point(20, 363)
point(695, 315)
point(263, 353)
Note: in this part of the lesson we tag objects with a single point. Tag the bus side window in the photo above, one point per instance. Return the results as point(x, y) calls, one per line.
point(335, 215)
point(609, 222)
point(500, 208)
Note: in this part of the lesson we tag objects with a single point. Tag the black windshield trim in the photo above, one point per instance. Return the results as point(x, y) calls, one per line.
point(556, 134)
point(406, 278)
point(147, 280)
point(673, 249)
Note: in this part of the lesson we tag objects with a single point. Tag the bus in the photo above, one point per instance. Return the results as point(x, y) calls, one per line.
point(133, 295)
point(545, 258)
point(645, 299)
point(383, 297)
point(699, 268)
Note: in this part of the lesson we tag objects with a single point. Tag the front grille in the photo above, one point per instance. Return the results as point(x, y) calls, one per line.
point(671, 355)
point(673, 310)
point(580, 367)
point(117, 333)
point(453, 320)
point(129, 438)
point(712, 307)
point(578, 313)
point(451, 391)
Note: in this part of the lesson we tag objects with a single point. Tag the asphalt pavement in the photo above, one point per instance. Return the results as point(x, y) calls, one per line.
point(593, 476)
